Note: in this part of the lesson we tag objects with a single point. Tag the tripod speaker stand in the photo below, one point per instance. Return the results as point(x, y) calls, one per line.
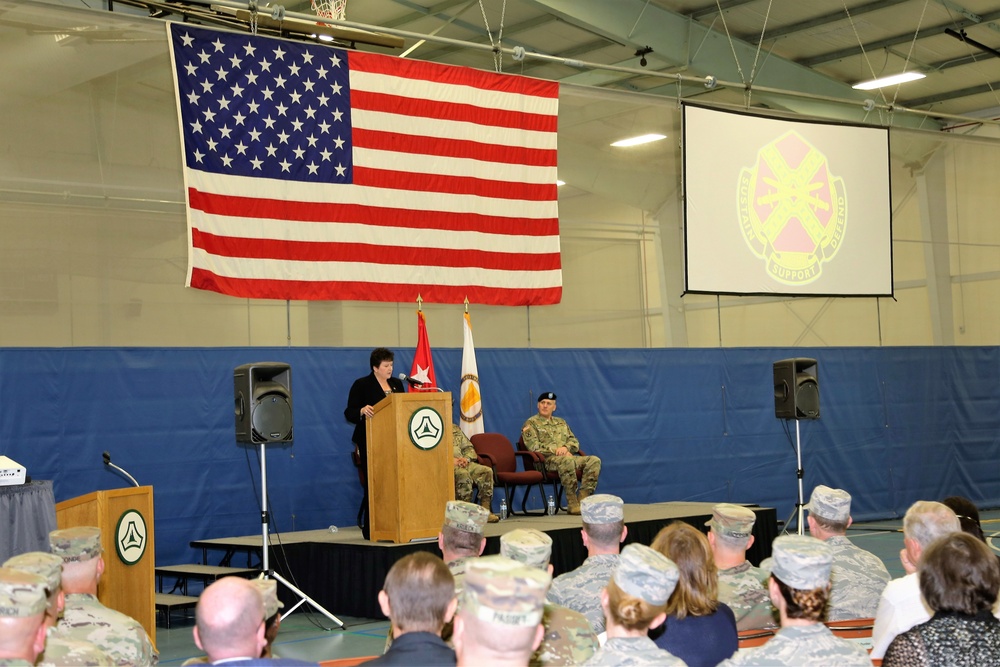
point(796, 396)
point(265, 520)
point(262, 394)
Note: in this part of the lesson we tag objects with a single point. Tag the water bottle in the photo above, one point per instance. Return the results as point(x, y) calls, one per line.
point(550, 506)
point(503, 509)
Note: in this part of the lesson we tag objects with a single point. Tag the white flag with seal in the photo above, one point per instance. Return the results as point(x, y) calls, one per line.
point(472, 402)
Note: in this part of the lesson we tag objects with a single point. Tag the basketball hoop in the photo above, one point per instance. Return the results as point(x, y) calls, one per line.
point(330, 9)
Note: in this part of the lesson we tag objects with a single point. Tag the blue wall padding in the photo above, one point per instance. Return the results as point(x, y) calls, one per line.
point(897, 425)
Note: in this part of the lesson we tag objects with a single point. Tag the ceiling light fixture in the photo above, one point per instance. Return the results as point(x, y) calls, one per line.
point(903, 77)
point(641, 139)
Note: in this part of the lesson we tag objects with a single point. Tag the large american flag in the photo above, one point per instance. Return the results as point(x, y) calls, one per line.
point(322, 174)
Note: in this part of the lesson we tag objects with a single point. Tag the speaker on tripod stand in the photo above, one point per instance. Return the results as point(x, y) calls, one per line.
point(262, 394)
point(796, 396)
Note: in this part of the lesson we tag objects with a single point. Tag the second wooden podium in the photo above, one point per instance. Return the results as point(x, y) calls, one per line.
point(410, 466)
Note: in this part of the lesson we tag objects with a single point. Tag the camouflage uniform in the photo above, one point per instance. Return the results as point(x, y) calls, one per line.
point(858, 577)
point(58, 650)
point(120, 636)
point(802, 563)
point(503, 594)
point(545, 436)
point(740, 587)
point(480, 475)
point(633, 651)
point(802, 645)
point(85, 618)
point(568, 639)
point(580, 589)
point(646, 574)
point(22, 598)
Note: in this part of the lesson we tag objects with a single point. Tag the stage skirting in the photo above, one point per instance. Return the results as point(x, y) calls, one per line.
point(343, 572)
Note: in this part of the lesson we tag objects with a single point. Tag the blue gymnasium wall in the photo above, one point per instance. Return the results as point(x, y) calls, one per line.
point(897, 424)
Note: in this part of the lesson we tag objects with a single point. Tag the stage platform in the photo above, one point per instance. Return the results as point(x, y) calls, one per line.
point(344, 572)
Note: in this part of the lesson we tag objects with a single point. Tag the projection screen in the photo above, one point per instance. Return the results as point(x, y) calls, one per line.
point(782, 207)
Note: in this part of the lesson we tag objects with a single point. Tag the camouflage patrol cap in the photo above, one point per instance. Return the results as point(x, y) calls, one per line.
point(268, 589)
point(465, 516)
point(501, 591)
point(645, 573)
point(527, 545)
point(732, 520)
point(831, 504)
point(22, 593)
point(76, 544)
point(602, 508)
point(546, 396)
point(47, 566)
point(801, 561)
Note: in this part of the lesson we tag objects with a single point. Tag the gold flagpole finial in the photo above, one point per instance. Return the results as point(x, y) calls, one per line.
point(420, 304)
point(466, 304)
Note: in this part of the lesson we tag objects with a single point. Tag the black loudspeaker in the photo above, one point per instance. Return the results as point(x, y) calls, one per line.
point(263, 396)
point(796, 389)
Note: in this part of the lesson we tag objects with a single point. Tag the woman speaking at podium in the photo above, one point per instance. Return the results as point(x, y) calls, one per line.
point(365, 393)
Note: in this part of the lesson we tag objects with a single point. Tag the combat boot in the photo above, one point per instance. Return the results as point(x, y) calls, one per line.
point(584, 493)
point(487, 502)
point(572, 500)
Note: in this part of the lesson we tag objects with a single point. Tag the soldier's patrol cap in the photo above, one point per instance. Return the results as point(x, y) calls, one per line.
point(645, 573)
point(546, 396)
point(465, 516)
point(602, 508)
point(801, 561)
point(503, 592)
point(831, 504)
point(22, 594)
point(76, 544)
point(269, 593)
point(527, 545)
point(47, 566)
point(732, 520)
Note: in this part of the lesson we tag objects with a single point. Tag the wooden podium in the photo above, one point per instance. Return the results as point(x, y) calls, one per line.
point(126, 587)
point(410, 466)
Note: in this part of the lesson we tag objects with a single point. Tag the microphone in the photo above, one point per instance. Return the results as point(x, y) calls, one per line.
point(107, 462)
point(413, 381)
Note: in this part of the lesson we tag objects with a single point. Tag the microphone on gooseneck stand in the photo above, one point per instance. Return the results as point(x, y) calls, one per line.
point(107, 462)
point(411, 380)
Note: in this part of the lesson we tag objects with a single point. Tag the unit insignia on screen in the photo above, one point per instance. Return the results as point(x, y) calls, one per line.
point(792, 209)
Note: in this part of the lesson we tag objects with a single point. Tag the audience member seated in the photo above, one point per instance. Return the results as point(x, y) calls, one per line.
point(552, 437)
point(469, 471)
point(418, 597)
point(901, 607)
point(699, 629)
point(500, 617)
point(740, 583)
point(959, 579)
point(799, 587)
point(461, 538)
point(858, 576)
point(568, 638)
point(84, 617)
point(59, 651)
point(229, 624)
point(635, 601)
point(22, 617)
point(603, 532)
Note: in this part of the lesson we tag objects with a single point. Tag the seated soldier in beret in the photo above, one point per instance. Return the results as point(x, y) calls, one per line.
point(552, 437)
